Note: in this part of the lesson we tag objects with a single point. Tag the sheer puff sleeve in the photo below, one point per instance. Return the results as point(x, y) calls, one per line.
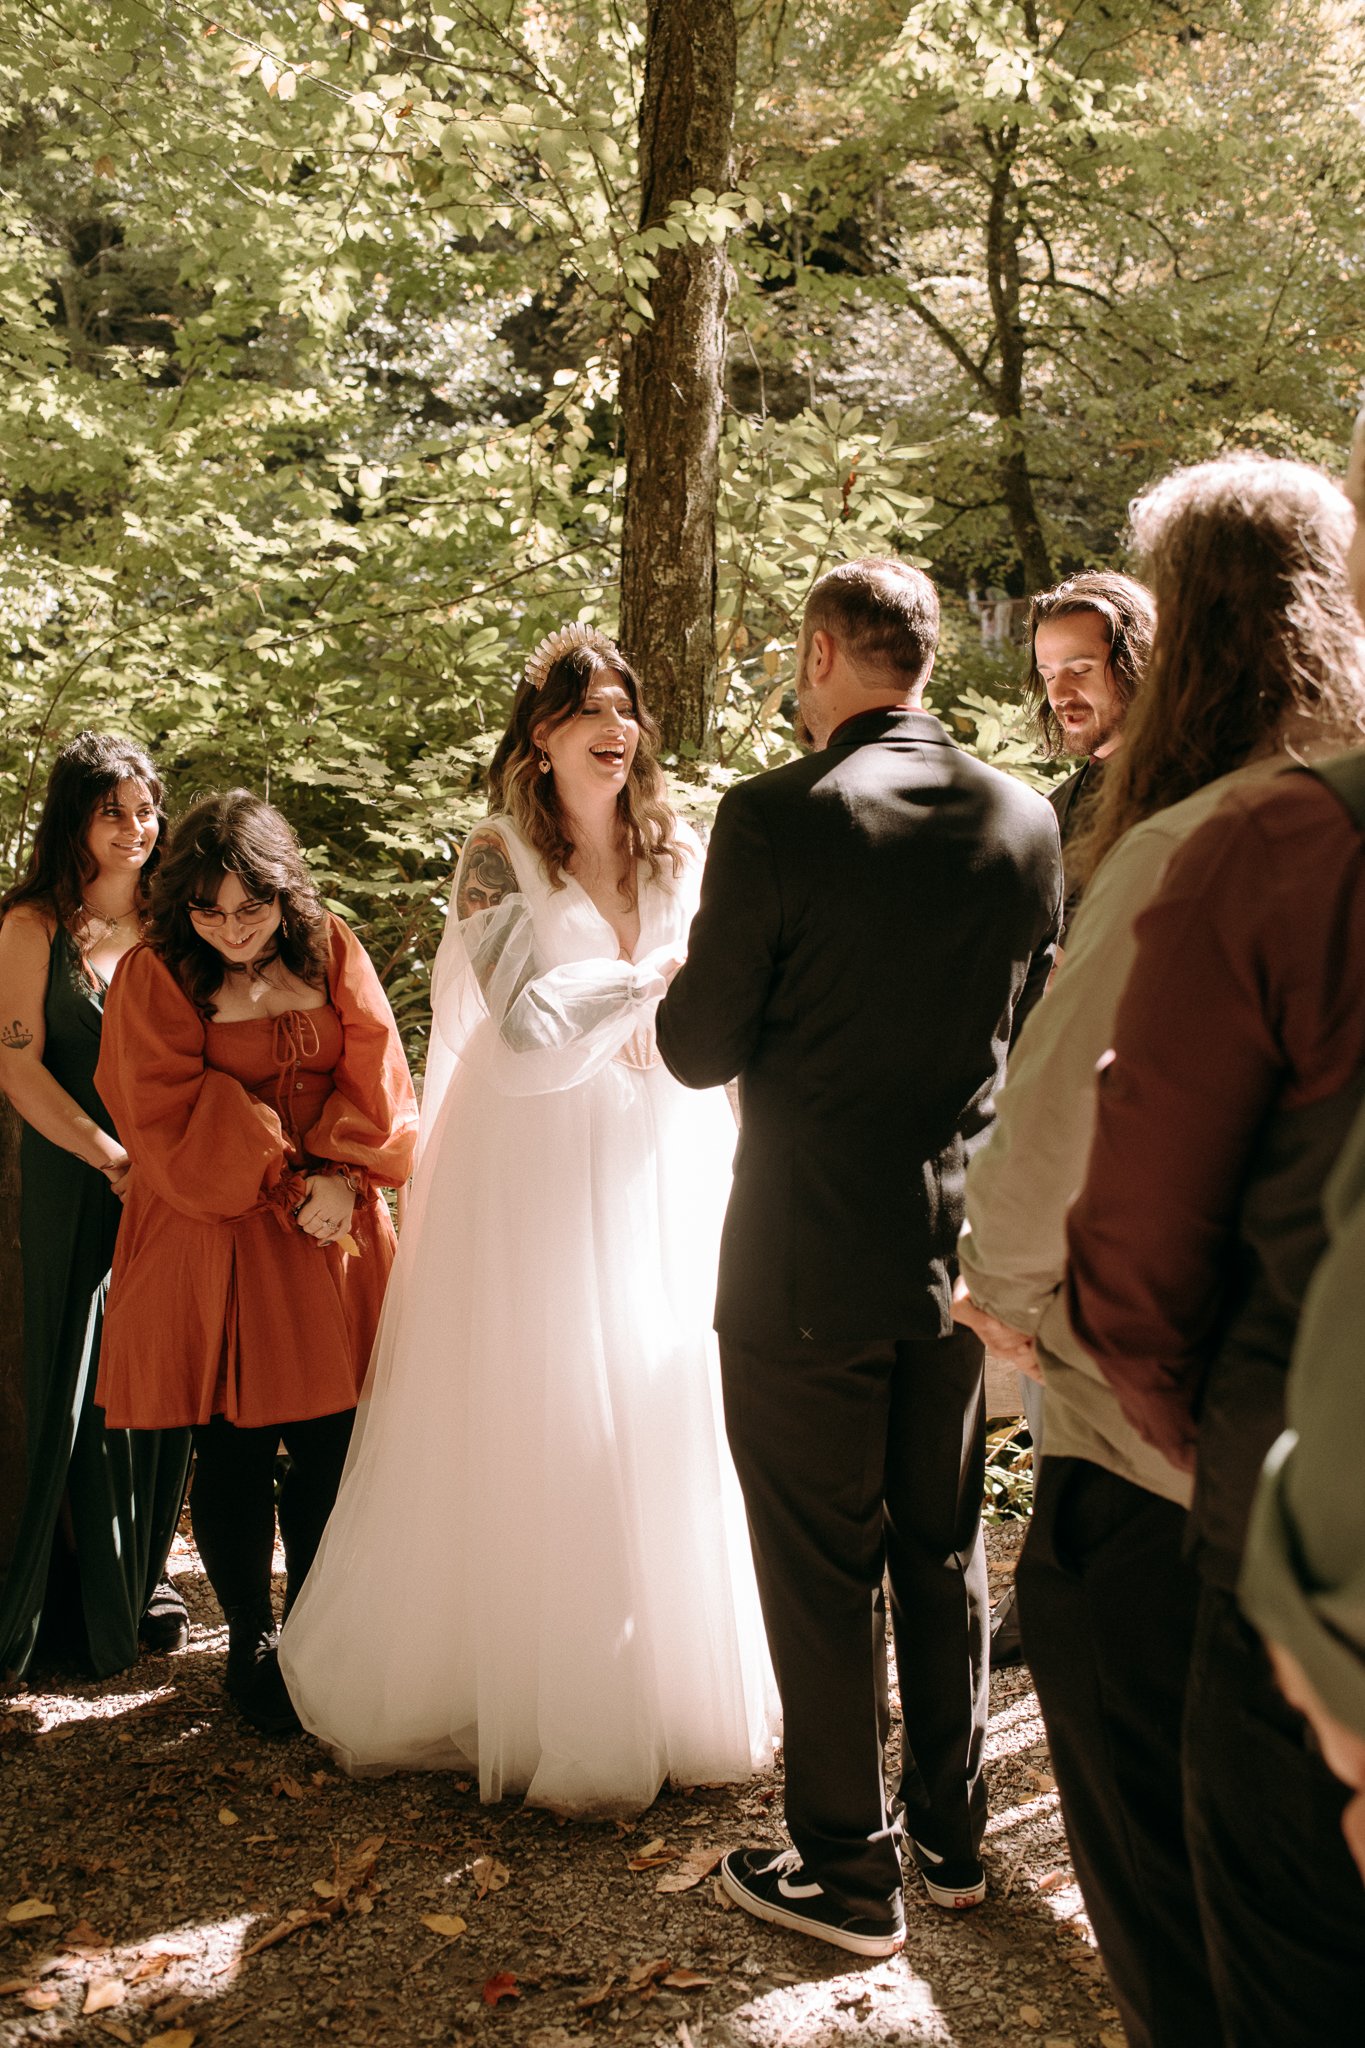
point(370, 1118)
point(202, 1143)
point(527, 1026)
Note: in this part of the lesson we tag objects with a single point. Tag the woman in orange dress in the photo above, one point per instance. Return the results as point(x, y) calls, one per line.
point(252, 1060)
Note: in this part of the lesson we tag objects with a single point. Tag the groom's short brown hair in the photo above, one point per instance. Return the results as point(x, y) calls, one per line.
point(884, 612)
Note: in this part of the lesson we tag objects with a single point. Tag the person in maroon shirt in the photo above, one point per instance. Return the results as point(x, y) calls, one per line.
point(1238, 1061)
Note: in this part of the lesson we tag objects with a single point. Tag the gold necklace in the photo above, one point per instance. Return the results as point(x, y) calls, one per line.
point(111, 924)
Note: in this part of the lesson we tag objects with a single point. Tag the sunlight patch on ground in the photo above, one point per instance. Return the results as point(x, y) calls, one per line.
point(835, 2009)
point(66, 1711)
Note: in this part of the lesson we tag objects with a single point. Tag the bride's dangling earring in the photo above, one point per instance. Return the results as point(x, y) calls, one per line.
point(544, 762)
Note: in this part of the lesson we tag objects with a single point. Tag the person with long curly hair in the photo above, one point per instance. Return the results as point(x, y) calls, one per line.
point(100, 1504)
point(543, 1415)
point(1256, 666)
point(252, 1059)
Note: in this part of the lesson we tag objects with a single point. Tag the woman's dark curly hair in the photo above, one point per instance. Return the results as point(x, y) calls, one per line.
point(1259, 646)
point(234, 833)
point(1128, 611)
point(517, 788)
point(60, 868)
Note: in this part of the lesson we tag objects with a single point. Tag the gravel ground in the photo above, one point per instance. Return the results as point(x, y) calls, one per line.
point(170, 1877)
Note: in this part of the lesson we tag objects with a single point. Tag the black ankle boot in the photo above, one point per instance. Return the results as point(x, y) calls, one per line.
point(254, 1682)
point(165, 1624)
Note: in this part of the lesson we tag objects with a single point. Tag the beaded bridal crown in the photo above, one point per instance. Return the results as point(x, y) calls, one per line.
point(561, 642)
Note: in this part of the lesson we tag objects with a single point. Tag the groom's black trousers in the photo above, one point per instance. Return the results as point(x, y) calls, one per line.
point(856, 1460)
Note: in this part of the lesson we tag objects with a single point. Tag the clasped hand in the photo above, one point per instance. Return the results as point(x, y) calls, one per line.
point(1009, 1345)
point(325, 1211)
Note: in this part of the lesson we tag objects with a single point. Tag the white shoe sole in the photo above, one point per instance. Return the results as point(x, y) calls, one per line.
point(799, 1923)
point(954, 1901)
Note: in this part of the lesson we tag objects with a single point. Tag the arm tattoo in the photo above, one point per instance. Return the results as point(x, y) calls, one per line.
point(16, 1036)
point(486, 875)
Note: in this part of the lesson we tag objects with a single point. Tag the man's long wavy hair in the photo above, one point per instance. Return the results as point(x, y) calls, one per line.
point(1258, 647)
point(60, 866)
point(1129, 617)
point(517, 788)
point(234, 833)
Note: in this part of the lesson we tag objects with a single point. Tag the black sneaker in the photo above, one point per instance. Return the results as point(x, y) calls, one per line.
point(165, 1625)
point(772, 1885)
point(954, 1886)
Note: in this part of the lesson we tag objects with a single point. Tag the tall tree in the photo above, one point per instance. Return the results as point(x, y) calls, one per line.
point(673, 368)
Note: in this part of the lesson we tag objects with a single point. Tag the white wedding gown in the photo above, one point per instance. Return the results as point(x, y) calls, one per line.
point(538, 1566)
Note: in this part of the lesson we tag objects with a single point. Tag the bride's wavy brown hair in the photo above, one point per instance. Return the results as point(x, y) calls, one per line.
point(1258, 641)
point(517, 788)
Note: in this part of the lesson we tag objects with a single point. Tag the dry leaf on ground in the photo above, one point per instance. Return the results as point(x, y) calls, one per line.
point(651, 1856)
point(41, 2000)
point(695, 1865)
point(448, 1924)
point(174, 2037)
point(83, 1935)
point(227, 1817)
point(101, 1993)
point(489, 1875)
point(145, 1967)
point(29, 1909)
point(686, 1980)
point(503, 1985)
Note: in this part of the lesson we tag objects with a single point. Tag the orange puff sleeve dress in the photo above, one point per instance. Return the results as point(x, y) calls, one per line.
point(218, 1303)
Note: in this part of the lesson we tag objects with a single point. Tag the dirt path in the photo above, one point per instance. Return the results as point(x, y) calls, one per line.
point(200, 1883)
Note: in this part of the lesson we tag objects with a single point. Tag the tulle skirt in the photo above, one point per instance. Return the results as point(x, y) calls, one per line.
point(538, 1567)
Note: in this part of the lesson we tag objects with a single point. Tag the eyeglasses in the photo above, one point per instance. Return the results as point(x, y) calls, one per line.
point(247, 913)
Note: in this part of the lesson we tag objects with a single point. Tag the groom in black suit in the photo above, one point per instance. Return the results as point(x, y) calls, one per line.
point(875, 921)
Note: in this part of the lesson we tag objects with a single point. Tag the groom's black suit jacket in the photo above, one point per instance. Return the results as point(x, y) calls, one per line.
point(875, 921)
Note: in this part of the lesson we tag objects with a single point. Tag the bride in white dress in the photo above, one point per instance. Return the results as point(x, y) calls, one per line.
point(538, 1566)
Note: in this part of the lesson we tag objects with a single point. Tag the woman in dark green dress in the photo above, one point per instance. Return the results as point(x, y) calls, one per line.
point(100, 1506)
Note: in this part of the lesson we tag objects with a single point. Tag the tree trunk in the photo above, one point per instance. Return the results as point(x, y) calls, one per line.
point(672, 371)
point(1003, 277)
point(13, 1439)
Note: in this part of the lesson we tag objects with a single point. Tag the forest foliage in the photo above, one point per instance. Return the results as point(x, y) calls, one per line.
point(313, 321)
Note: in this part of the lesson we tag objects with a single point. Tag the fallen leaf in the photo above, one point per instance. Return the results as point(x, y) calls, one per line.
point(227, 1816)
point(643, 1975)
point(652, 1857)
point(286, 1788)
point(686, 1980)
point(83, 1935)
point(170, 2008)
point(721, 1896)
point(41, 2000)
point(448, 1924)
point(119, 2033)
point(695, 1865)
point(101, 1993)
point(150, 1966)
point(489, 1875)
point(13, 1984)
point(1052, 1880)
point(504, 1985)
point(1030, 2015)
point(174, 2037)
point(325, 1889)
point(29, 1909)
point(1109, 2039)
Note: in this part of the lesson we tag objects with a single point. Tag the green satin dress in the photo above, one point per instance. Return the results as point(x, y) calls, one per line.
point(123, 1487)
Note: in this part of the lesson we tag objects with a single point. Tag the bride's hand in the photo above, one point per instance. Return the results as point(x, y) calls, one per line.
point(640, 1050)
